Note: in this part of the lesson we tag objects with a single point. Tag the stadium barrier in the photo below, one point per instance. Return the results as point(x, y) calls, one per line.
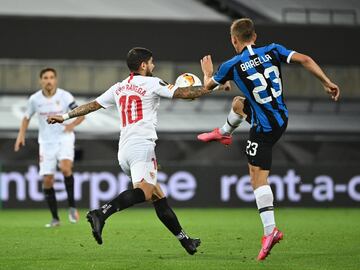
point(192, 186)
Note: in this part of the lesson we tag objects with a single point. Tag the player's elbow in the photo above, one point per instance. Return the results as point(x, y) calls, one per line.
point(306, 60)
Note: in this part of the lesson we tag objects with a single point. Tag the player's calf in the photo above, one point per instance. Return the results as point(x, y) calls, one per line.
point(170, 220)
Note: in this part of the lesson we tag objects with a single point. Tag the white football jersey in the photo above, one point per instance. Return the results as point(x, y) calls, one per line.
point(61, 102)
point(137, 99)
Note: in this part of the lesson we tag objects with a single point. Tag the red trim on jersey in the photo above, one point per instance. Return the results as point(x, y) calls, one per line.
point(131, 77)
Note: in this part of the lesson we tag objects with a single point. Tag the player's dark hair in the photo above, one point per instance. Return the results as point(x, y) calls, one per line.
point(243, 29)
point(136, 56)
point(44, 70)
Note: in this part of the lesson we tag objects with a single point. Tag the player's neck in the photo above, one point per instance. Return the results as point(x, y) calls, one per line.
point(49, 93)
point(241, 47)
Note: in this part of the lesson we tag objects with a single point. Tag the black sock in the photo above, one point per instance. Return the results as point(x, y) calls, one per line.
point(51, 201)
point(69, 185)
point(122, 201)
point(169, 219)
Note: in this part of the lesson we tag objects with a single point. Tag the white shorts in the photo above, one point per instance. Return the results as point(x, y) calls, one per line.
point(51, 153)
point(137, 159)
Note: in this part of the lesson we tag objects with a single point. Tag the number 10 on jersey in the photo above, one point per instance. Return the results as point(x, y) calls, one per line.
point(131, 109)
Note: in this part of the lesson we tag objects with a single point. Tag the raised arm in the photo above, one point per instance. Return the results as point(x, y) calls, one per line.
point(308, 63)
point(208, 70)
point(20, 140)
point(79, 111)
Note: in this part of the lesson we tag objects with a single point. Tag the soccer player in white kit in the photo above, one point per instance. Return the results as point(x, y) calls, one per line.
point(56, 142)
point(137, 100)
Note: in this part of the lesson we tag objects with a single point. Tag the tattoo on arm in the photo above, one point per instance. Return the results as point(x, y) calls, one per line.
point(85, 109)
point(190, 92)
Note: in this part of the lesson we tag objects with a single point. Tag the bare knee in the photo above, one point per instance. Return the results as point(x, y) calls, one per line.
point(66, 167)
point(238, 105)
point(48, 181)
point(147, 188)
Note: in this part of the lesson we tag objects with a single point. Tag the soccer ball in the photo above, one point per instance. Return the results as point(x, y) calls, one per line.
point(187, 79)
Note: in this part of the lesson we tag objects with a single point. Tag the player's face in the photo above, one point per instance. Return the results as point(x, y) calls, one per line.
point(48, 81)
point(149, 67)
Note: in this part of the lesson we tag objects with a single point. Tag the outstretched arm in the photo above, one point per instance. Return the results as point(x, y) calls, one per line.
point(308, 63)
point(79, 111)
point(190, 92)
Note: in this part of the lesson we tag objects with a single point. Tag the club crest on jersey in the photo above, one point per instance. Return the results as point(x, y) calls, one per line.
point(152, 175)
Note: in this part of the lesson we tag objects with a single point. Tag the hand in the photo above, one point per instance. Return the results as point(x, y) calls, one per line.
point(207, 66)
point(20, 141)
point(333, 90)
point(55, 119)
point(69, 128)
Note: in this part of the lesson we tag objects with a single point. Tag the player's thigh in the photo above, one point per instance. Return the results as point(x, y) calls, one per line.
point(66, 151)
point(47, 158)
point(143, 163)
point(258, 150)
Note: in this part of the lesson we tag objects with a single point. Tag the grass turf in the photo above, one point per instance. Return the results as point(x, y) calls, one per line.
point(135, 239)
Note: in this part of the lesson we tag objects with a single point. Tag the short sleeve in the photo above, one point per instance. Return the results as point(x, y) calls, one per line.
point(30, 108)
point(224, 73)
point(284, 53)
point(164, 89)
point(107, 99)
point(70, 102)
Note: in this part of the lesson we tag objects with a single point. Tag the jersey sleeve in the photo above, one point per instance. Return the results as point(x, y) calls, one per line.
point(70, 101)
point(164, 89)
point(107, 99)
point(30, 108)
point(284, 53)
point(224, 73)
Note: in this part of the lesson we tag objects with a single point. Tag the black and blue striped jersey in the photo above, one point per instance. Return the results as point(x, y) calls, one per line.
point(256, 72)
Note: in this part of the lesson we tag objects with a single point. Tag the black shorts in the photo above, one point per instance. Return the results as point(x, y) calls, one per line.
point(259, 146)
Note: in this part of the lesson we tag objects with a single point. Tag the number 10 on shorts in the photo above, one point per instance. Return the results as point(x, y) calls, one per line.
point(251, 148)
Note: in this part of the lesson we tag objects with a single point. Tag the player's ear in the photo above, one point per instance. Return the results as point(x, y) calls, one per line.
point(254, 37)
point(143, 66)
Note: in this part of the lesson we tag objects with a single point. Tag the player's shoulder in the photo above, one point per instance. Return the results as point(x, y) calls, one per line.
point(156, 82)
point(273, 46)
point(36, 95)
point(63, 93)
point(232, 61)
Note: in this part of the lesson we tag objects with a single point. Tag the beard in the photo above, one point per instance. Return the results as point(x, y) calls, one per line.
point(148, 73)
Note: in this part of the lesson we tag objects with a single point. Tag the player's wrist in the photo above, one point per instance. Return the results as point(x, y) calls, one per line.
point(65, 116)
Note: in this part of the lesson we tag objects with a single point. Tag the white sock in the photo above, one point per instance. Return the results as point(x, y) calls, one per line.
point(233, 120)
point(265, 203)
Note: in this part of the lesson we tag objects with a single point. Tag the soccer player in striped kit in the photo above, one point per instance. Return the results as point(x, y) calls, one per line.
point(256, 72)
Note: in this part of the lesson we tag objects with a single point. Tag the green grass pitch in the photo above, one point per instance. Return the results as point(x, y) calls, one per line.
point(135, 239)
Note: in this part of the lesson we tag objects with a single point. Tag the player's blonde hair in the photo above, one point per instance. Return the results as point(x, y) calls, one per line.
point(243, 29)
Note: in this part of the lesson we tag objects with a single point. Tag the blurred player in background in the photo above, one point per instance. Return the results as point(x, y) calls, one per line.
point(137, 100)
point(56, 143)
point(256, 72)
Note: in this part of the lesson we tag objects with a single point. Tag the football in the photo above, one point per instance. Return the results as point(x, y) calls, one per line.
point(188, 79)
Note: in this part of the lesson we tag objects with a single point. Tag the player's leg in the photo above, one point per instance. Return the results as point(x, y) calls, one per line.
point(259, 153)
point(168, 217)
point(66, 157)
point(49, 193)
point(135, 161)
point(236, 116)
point(47, 164)
point(66, 166)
